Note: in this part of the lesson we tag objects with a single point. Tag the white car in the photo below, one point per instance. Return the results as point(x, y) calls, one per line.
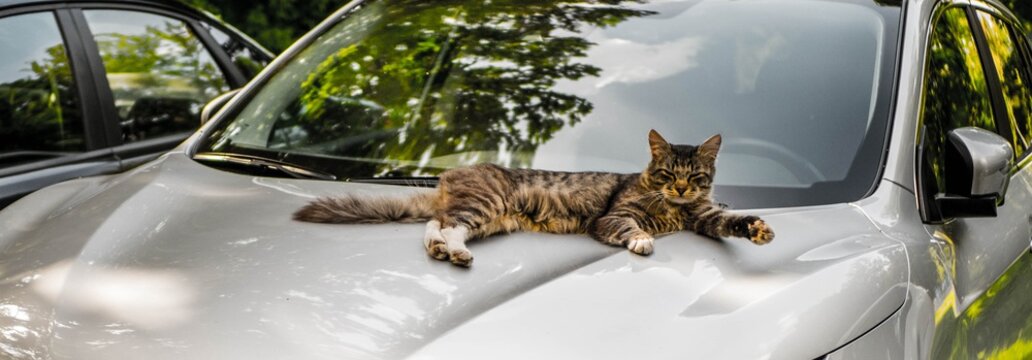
point(885, 142)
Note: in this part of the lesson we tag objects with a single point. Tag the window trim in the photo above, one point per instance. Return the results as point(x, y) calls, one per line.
point(929, 213)
point(1023, 44)
point(220, 56)
point(101, 133)
point(234, 76)
point(243, 39)
point(97, 146)
point(1025, 48)
point(98, 76)
point(106, 97)
point(236, 34)
point(991, 73)
point(92, 123)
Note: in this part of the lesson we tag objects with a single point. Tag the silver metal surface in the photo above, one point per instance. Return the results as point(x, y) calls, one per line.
point(991, 159)
point(177, 259)
point(216, 104)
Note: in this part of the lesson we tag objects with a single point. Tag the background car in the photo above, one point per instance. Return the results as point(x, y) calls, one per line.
point(885, 142)
point(89, 88)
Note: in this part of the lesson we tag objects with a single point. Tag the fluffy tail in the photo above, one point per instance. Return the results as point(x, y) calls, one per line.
point(351, 209)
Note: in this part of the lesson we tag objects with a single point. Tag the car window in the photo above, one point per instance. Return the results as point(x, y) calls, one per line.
point(955, 91)
point(159, 72)
point(249, 61)
point(1014, 78)
point(40, 116)
point(409, 88)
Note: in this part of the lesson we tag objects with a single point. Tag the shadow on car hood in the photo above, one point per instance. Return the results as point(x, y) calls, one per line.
point(178, 260)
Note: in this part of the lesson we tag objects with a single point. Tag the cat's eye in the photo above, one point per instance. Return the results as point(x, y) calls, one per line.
point(663, 175)
point(700, 179)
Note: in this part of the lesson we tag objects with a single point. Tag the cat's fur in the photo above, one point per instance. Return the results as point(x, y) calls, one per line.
point(617, 209)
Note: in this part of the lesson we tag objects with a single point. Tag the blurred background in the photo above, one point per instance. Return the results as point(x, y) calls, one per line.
point(1024, 10)
point(274, 23)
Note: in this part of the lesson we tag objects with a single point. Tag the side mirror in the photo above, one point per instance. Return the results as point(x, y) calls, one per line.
point(978, 164)
point(216, 104)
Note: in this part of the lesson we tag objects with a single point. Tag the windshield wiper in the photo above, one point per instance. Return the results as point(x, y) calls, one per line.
point(263, 163)
point(428, 182)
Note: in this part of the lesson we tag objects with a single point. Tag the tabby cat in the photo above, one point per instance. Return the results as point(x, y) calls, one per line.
point(617, 209)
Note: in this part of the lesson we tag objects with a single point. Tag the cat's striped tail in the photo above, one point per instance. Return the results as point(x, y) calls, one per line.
point(356, 209)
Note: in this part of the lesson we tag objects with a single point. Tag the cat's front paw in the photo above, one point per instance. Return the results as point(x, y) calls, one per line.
point(462, 258)
point(641, 244)
point(437, 249)
point(760, 233)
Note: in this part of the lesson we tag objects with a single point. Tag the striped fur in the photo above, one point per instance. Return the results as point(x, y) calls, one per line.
point(627, 210)
point(351, 209)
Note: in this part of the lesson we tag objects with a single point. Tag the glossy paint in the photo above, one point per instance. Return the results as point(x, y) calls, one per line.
point(158, 262)
point(177, 260)
point(963, 300)
point(991, 160)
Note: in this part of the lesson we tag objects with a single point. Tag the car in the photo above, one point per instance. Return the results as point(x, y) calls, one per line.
point(96, 87)
point(885, 142)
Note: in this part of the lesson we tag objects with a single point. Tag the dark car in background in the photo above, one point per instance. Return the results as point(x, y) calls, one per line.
point(90, 88)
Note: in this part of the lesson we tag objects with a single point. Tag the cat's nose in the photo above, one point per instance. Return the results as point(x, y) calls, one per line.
point(681, 189)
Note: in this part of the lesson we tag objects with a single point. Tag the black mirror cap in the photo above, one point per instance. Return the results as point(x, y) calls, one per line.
point(966, 207)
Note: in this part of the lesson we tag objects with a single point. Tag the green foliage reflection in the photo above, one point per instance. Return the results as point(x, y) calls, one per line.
point(998, 325)
point(39, 111)
point(1011, 69)
point(447, 77)
point(159, 72)
point(956, 94)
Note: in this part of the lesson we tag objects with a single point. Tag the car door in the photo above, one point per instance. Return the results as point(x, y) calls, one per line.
point(159, 69)
point(977, 75)
point(50, 129)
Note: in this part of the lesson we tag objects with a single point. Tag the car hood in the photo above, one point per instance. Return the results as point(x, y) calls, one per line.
point(177, 260)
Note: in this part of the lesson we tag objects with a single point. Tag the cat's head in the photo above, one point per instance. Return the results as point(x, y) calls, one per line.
point(682, 173)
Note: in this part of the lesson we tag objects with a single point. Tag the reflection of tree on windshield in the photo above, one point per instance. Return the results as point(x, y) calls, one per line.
point(442, 77)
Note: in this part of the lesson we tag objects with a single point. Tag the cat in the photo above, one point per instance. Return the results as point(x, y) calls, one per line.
point(672, 194)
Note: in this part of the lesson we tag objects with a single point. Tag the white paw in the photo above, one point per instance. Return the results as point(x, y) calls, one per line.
point(434, 242)
point(641, 244)
point(462, 258)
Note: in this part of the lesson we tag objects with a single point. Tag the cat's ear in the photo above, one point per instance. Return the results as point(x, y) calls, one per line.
point(710, 147)
point(659, 146)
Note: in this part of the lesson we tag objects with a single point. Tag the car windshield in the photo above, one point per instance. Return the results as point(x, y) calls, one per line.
point(800, 90)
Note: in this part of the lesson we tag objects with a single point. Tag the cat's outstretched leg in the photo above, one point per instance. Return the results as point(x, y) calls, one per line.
point(713, 221)
point(623, 231)
point(448, 243)
point(434, 241)
point(471, 197)
point(455, 237)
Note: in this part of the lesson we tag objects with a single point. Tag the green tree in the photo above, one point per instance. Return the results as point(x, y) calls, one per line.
point(274, 23)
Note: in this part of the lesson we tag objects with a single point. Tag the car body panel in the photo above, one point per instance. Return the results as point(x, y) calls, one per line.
point(226, 274)
point(16, 186)
point(157, 262)
point(959, 304)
